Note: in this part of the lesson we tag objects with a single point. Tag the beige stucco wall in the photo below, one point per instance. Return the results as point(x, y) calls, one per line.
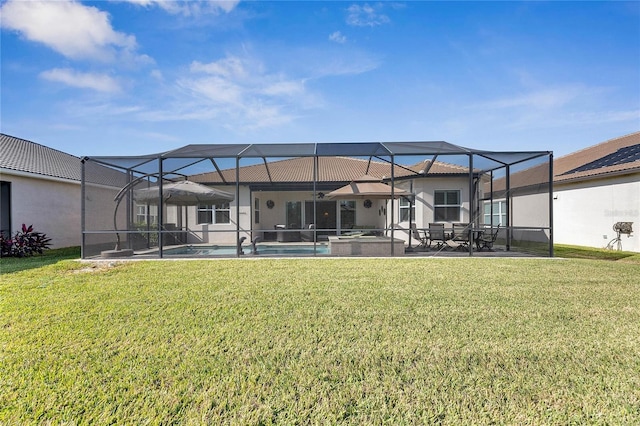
point(424, 190)
point(52, 206)
point(373, 216)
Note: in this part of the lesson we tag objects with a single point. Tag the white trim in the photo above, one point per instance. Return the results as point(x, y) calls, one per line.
point(20, 173)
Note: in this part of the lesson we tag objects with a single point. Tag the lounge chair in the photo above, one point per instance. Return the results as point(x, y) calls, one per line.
point(487, 238)
point(437, 235)
point(423, 238)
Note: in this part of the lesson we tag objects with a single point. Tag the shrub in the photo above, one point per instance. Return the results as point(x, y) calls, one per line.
point(26, 242)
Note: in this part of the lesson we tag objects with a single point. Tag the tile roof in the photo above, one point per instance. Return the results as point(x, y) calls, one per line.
point(330, 169)
point(26, 156)
point(22, 155)
point(613, 156)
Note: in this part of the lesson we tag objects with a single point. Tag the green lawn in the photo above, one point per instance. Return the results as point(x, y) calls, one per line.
point(330, 341)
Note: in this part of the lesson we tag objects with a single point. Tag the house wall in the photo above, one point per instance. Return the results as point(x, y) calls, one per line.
point(212, 233)
point(424, 190)
point(530, 210)
point(52, 206)
point(377, 216)
point(585, 212)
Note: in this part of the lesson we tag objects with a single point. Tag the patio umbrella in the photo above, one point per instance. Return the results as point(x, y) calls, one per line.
point(367, 187)
point(183, 193)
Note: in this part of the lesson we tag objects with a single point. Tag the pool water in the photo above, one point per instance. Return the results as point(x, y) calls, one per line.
point(261, 249)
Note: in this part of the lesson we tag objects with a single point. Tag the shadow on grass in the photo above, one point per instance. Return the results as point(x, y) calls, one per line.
point(579, 252)
point(17, 264)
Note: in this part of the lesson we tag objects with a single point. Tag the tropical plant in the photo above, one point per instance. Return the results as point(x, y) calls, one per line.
point(25, 242)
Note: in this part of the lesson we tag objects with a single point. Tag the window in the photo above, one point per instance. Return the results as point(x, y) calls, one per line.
point(407, 208)
point(499, 213)
point(146, 214)
point(446, 206)
point(216, 213)
point(256, 210)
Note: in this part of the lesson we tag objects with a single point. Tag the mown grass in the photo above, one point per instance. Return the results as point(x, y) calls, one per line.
point(49, 257)
point(580, 252)
point(344, 341)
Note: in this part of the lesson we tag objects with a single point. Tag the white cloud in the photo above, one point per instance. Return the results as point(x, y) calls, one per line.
point(190, 7)
point(157, 75)
point(231, 67)
point(99, 82)
point(365, 15)
point(541, 99)
point(338, 37)
point(235, 80)
point(70, 28)
point(239, 92)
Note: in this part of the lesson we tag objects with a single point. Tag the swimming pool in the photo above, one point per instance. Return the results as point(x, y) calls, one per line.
point(262, 249)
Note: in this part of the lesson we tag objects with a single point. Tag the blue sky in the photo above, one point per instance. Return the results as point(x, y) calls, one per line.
point(145, 76)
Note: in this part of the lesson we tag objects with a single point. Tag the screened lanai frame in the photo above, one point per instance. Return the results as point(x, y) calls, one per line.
point(170, 165)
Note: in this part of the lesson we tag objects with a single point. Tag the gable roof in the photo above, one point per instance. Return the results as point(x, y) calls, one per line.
point(614, 156)
point(22, 155)
point(610, 158)
point(25, 156)
point(330, 169)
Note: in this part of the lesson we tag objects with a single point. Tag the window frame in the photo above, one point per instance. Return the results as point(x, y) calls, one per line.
point(213, 212)
point(406, 210)
point(447, 206)
point(499, 211)
point(256, 210)
point(145, 211)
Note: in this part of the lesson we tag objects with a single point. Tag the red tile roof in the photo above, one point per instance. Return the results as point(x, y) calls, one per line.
point(330, 169)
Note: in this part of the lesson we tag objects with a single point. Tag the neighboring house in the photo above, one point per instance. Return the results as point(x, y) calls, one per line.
point(596, 187)
point(593, 189)
point(40, 187)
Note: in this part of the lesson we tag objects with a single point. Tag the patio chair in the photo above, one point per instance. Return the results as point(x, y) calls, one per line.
point(308, 234)
point(486, 239)
point(460, 235)
point(423, 238)
point(437, 235)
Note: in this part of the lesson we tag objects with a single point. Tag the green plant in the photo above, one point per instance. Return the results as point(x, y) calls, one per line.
point(25, 242)
point(147, 233)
